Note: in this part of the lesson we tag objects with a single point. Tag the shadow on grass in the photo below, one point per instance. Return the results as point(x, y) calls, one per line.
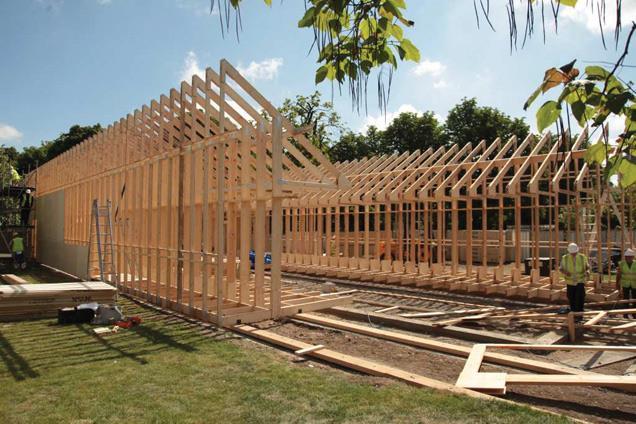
point(110, 346)
point(16, 364)
point(46, 345)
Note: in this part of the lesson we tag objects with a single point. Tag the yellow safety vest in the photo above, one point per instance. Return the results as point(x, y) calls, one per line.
point(628, 274)
point(576, 268)
point(17, 245)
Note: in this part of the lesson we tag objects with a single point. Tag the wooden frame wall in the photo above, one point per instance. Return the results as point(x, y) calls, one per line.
point(416, 202)
point(195, 178)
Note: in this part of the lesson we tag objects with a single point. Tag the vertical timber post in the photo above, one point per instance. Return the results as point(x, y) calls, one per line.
point(220, 212)
point(277, 212)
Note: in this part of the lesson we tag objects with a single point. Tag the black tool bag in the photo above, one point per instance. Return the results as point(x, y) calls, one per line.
point(75, 315)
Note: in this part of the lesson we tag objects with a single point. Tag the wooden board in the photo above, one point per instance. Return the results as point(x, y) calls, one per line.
point(496, 383)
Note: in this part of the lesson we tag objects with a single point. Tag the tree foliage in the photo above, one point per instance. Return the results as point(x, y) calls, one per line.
point(411, 131)
point(590, 99)
point(468, 122)
point(353, 146)
point(355, 38)
point(33, 156)
point(75, 135)
point(322, 123)
point(6, 170)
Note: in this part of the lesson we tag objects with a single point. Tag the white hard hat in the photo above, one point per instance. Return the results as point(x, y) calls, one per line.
point(573, 248)
point(630, 252)
point(28, 191)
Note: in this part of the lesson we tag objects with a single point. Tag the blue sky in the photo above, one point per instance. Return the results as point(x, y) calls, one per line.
point(65, 62)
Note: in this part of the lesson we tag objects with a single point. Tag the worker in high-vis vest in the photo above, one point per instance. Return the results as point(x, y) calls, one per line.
point(17, 250)
point(574, 268)
point(626, 279)
point(26, 203)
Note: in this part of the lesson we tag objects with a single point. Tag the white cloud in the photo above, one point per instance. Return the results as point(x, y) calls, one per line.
point(191, 67)
point(383, 121)
point(586, 14)
point(440, 84)
point(104, 2)
point(9, 133)
point(264, 70)
point(429, 67)
point(199, 7)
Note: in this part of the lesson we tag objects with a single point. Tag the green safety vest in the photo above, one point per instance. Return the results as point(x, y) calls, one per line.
point(25, 200)
point(576, 268)
point(628, 274)
point(17, 245)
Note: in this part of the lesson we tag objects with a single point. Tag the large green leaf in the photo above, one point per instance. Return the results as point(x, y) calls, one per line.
point(580, 112)
point(321, 73)
point(532, 98)
point(596, 153)
point(308, 19)
point(547, 114)
point(411, 52)
point(616, 102)
point(627, 170)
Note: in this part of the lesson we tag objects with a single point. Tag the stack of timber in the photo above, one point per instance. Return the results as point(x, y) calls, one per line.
point(26, 301)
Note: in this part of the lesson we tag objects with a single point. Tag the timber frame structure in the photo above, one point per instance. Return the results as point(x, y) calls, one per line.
point(474, 219)
point(200, 181)
point(196, 180)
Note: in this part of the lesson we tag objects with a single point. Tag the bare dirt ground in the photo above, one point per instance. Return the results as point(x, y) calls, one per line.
point(587, 403)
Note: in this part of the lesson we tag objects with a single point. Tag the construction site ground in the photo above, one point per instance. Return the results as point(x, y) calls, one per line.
point(170, 369)
point(593, 404)
point(39, 357)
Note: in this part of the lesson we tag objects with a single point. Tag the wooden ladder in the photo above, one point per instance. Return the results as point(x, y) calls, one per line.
point(102, 258)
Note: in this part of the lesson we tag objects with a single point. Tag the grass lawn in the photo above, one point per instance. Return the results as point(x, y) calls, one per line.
point(169, 371)
point(35, 274)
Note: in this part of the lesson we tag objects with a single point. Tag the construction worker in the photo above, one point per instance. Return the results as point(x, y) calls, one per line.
point(575, 268)
point(17, 251)
point(15, 177)
point(26, 201)
point(626, 278)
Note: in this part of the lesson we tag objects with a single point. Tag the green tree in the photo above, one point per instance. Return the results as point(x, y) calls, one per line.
point(11, 152)
point(353, 146)
point(31, 157)
point(469, 123)
point(6, 174)
point(410, 131)
point(75, 135)
point(34, 156)
point(353, 38)
point(322, 123)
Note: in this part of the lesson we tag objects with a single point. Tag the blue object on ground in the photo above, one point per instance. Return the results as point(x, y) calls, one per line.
point(267, 259)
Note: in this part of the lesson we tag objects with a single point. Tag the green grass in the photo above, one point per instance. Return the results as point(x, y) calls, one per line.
point(35, 274)
point(170, 371)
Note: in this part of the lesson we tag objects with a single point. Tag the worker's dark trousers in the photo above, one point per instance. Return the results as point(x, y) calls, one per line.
point(576, 297)
point(630, 293)
point(24, 216)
